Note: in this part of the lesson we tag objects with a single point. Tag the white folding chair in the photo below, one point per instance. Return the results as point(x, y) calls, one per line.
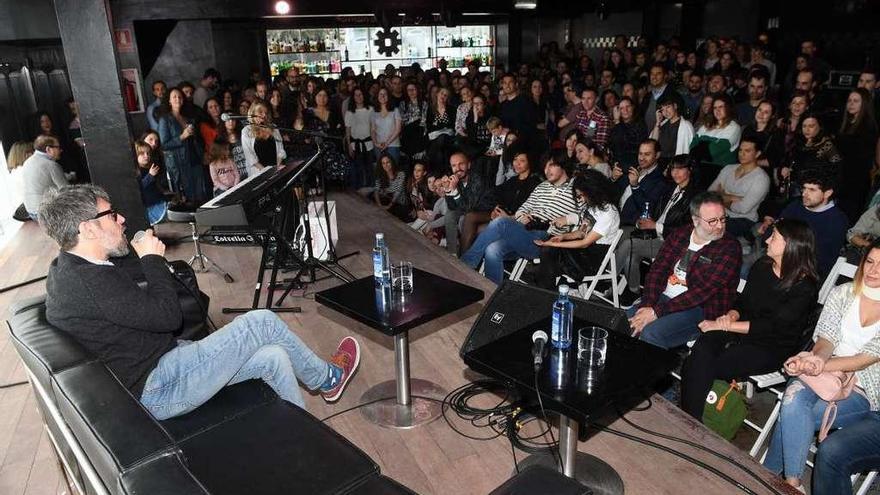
point(840, 269)
point(607, 271)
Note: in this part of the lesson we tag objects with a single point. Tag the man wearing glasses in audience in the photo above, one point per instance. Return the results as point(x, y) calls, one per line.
point(42, 172)
point(694, 277)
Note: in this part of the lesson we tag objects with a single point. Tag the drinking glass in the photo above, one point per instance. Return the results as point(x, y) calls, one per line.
point(592, 339)
point(402, 276)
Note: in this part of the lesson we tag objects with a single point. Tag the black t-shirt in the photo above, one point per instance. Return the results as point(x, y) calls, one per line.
point(513, 192)
point(669, 138)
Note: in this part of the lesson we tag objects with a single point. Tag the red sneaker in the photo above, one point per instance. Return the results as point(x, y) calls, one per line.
point(347, 357)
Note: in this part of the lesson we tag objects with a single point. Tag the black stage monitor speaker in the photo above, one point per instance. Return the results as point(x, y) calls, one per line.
point(515, 305)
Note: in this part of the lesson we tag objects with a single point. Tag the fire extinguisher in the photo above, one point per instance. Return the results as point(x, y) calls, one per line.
point(129, 96)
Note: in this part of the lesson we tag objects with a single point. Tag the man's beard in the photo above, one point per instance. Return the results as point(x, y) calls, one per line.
point(118, 250)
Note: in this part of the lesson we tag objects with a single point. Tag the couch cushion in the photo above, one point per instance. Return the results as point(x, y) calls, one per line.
point(44, 349)
point(113, 429)
point(275, 445)
point(165, 474)
point(229, 403)
point(381, 485)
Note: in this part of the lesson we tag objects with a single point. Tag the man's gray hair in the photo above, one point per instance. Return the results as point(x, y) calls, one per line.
point(62, 210)
point(705, 197)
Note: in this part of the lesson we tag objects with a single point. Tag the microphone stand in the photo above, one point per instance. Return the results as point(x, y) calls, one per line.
point(309, 264)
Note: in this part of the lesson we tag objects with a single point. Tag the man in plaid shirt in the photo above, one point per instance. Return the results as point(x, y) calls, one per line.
point(694, 277)
point(591, 120)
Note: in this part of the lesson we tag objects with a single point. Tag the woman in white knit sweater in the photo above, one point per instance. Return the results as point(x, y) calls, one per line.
point(847, 338)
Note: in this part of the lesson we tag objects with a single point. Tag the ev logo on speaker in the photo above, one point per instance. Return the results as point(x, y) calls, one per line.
point(497, 317)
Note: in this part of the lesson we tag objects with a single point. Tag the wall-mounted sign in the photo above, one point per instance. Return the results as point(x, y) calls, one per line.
point(124, 41)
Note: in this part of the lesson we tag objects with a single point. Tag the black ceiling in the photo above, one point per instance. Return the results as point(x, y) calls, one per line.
point(244, 9)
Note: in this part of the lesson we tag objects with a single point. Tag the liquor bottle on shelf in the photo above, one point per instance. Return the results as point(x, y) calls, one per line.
point(346, 54)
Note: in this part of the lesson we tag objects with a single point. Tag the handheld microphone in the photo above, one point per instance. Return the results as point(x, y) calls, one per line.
point(539, 338)
point(140, 234)
point(225, 117)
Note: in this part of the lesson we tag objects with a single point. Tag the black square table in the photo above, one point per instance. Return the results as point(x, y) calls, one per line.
point(577, 393)
point(394, 313)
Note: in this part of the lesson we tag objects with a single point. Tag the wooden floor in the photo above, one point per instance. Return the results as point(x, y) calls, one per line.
point(432, 459)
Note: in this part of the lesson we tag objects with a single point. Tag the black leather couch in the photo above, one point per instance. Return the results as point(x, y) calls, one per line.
point(243, 441)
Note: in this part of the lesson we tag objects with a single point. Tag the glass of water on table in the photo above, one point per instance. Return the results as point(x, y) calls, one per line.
point(402, 276)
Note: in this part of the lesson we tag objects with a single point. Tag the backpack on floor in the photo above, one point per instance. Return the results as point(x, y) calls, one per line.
point(725, 409)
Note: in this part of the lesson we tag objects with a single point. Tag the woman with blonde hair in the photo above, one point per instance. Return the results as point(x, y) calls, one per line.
point(847, 339)
point(18, 153)
point(261, 143)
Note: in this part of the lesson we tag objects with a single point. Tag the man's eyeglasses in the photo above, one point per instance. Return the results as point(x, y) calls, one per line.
point(714, 221)
point(114, 215)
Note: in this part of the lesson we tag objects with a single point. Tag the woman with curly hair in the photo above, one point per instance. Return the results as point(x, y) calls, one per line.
point(580, 252)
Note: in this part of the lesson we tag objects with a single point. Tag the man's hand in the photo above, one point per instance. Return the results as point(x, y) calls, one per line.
point(646, 224)
point(524, 219)
point(633, 175)
point(154, 170)
point(768, 221)
point(861, 240)
point(453, 183)
point(498, 212)
point(616, 171)
point(149, 244)
point(642, 318)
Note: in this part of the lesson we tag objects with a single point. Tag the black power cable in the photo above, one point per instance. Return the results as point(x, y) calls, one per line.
point(695, 445)
point(15, 384)
point(676, 453)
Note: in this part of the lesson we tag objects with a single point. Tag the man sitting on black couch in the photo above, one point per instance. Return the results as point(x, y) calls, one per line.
point(132, 329)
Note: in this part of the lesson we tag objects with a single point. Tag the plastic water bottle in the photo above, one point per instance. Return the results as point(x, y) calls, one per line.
point(646, 213)
point(563, 309)
point(381, 261)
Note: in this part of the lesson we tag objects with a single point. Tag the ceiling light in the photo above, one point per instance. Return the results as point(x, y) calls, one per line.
point(282, 7)
point(525, 4)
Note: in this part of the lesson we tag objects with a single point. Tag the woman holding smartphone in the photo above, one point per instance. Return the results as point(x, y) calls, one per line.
point(180, 147)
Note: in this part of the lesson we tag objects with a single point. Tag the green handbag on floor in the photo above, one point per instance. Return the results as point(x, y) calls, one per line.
point(725, 409)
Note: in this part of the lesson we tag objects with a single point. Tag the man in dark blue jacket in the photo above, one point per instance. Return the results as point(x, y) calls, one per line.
point(640, 185)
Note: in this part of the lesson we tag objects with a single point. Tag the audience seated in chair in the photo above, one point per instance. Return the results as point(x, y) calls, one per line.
point(765, 324)
point(846, 340)
point(817, 208)
point(132, 329)
point(639, 185)
point(693, 278)
point(671, 212)
point(466, 193)
point(743, 187)
point(543, 215)
point(580, 253)
point(41, 172)
point(508, 197)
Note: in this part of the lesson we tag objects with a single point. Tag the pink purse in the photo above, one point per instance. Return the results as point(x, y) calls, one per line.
point(830, 386)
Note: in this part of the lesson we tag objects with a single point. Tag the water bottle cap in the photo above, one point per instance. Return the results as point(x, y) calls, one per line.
point(380, 235)
point(563, 289)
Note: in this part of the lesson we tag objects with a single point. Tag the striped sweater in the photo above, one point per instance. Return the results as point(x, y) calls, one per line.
point(548, 202)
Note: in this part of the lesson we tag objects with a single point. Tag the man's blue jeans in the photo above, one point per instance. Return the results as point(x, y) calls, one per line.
point(672, 330)
point(504, 238)
point(800, 417)
point(256, 345)
point(849, 450)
